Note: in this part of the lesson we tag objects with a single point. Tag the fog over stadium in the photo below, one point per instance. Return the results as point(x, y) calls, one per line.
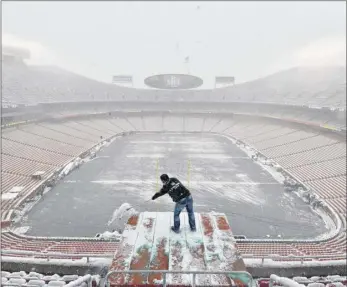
point(173, 144)
point(245, 40)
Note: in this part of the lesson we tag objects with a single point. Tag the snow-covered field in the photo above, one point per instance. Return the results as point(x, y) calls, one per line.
point(221, 176)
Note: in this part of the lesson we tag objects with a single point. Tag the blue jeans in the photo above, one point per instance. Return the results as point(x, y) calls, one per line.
point(187, 203)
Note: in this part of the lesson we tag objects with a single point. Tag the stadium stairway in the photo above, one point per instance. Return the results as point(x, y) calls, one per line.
point(149, 244)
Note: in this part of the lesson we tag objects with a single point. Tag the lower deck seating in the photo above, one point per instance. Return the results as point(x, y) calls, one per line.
point(12, 241)
point(324, 171)
point(314, 281)
point(23, 279)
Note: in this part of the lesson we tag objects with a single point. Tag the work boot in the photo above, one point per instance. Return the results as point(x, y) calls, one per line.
point(174, 230)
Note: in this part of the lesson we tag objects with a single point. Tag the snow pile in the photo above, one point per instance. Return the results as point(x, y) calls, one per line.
point(314, 281)
point(267, 164)
point(107, 235)
point(104, 143)
point(25, 208)
point(93, 152)
point(320, 208)
point(70, 167)
point(97, 279)
point(284, 281)
point(272, 168)
point(21, 229)
point(121, 215)
point(118, 220)
point(309, 197)
point(37, 279)
point(336, 278)
point(19, 215)
point(78, 161)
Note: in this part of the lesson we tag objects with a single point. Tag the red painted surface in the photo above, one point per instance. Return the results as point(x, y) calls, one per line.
point(215, 261)
point(6, 223)
point(176, 257)
point(141, 257)
point(207, 225)
point(222, 223)
point(122, 258)
point(133, 220)
point(160, 260)
point(139, 262)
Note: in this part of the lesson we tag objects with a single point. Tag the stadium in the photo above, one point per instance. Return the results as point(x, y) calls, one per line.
point(268, 177)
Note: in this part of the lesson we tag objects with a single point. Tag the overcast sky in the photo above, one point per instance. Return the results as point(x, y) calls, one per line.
point(242, 39)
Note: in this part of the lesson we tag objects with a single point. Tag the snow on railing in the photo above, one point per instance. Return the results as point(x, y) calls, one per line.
point(56, 255)
point(193, 273)
point(251, 256)
point(289, 257)
point(286, 282)
point(86, 278)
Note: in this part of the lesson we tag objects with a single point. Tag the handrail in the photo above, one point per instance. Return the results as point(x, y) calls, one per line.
point(286, 282)
point(86, 278)
point(165, 272)
point(108, 255)
point(290, 258)
point(56, 254)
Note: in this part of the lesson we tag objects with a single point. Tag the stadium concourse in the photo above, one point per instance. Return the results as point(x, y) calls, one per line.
point(259, 160)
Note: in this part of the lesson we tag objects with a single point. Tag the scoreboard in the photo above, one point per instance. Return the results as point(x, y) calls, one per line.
point(173, 81)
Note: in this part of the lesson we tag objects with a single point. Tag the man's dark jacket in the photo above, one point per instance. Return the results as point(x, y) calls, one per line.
point(174, 188)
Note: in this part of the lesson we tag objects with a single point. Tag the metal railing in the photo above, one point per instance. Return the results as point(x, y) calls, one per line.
point(53, 255)
point(86, 278)
point(164, 274)
point(289, 257)
point(286, 282)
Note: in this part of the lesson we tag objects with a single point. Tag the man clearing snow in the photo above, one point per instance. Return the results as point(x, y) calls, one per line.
point(181, 196)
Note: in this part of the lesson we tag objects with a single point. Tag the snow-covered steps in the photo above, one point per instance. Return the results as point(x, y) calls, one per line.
point(123, 255)
point(213, 251)
point(196, 251)
point(143, 248)
point(220, 248)
point(160, 249)
point(226, 244)
point(177, 253)
point(149, 244)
